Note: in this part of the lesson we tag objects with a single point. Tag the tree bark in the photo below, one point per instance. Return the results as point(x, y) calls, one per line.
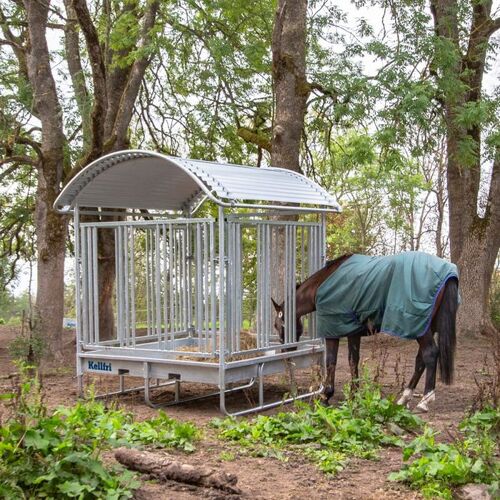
point(165, 468)
point(291, 90)
point(50, 227)
point(474, 237)
point(290, 84)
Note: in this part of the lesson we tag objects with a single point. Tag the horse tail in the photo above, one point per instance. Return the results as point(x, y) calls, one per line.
point(444, 324)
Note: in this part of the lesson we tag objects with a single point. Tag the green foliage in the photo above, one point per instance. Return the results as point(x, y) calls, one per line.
point(163, 431)
point(28, 347)
point(438, 467)
point(328, 436)
point(12, 306)
point(58, 454)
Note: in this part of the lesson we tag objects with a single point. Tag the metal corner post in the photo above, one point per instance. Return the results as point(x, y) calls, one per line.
point(222, 311)
point(79, 368)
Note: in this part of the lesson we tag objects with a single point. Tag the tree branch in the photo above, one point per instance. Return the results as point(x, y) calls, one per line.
point(126, 108)
point(72, 45)
point(254, 137)
point(98, 76)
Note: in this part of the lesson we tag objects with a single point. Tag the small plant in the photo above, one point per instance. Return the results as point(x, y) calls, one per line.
point(226, 456)
point(163, 431)
point(328, 436)
point(58, 454)
point(472, 458)
point(28, 346)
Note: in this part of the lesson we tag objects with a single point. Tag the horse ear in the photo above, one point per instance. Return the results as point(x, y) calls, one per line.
point(276, 305)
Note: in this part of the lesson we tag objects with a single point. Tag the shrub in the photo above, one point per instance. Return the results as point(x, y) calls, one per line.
point(438, 467)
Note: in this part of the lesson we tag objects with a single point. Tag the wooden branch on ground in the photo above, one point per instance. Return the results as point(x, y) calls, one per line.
point(165, 468)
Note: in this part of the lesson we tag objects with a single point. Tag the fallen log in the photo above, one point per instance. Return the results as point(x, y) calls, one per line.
point(165, 468)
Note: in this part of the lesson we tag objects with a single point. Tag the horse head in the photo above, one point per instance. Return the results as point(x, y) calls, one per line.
point(279, 322)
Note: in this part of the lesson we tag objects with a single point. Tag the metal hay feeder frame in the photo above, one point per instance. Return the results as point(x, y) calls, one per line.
point(180, 292)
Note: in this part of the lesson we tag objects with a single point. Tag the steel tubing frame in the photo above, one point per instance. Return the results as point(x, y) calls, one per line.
point(194, 294)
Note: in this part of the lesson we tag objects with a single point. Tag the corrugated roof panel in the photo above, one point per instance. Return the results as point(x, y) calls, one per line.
point(141, 179)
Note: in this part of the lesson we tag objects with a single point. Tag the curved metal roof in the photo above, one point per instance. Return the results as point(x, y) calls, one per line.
point(147, 180)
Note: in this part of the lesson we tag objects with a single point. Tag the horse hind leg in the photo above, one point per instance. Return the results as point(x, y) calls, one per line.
point(353, 344)
point(430, 354)
point(417, 374)
point(332, 349)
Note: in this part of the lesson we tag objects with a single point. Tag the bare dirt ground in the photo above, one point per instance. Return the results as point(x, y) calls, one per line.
point(391, 360)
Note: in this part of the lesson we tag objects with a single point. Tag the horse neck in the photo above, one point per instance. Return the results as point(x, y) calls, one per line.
point(305, 295)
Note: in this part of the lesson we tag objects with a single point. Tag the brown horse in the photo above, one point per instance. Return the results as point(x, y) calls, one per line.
point(442, 320)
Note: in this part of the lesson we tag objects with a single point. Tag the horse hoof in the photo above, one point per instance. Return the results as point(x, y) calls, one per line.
point(423, 404)
point(406, 397)
point(326, 401)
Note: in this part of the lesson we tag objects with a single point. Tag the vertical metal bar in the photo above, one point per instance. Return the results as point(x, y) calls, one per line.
point(146, 238)
point(95, 270)
point(302, 256)
point(286, 317)
point(185, 284)
point(90, 302)
point(199, 285)
point(213, 292)
point(293, 266)
point(78, 297)
point(206, 296)
point(165, 284)
point(229, 289)
point(222, 298)
point(323, 240)
point(259, 287)
point(158, 282)
point(117, 236)
point(171, 261)
point(152, 293)
point(132, 284)
point(239, 290)
point(175, 277)
point(268, 326)
point(126, 284)
point(189, 279)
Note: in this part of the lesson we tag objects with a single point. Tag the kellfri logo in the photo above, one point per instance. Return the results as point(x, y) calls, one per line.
point(100, 365)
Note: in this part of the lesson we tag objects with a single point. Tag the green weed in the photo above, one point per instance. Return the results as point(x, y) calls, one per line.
point(472, 458)
point(58, 454)
point(328, 436)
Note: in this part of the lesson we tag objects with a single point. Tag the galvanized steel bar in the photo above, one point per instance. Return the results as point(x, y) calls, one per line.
point(133, 285)
point(95, 285)
point(158, 283)
point(213, 291)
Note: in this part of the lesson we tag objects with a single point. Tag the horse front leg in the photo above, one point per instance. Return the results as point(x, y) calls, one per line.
point(353, 345)
point(419, 369)
point(332, 349)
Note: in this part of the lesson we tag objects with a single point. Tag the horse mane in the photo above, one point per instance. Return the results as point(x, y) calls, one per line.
point(324, 272)
point(338, 260)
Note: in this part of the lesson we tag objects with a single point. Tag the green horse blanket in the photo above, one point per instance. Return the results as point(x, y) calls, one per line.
point(394, 294)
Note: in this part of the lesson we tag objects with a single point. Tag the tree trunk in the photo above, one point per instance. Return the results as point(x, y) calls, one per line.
point(290, 85)
point(476, 264)
point(50, 227)
point(51, 230)
point(474, 237)
point(290, 97)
